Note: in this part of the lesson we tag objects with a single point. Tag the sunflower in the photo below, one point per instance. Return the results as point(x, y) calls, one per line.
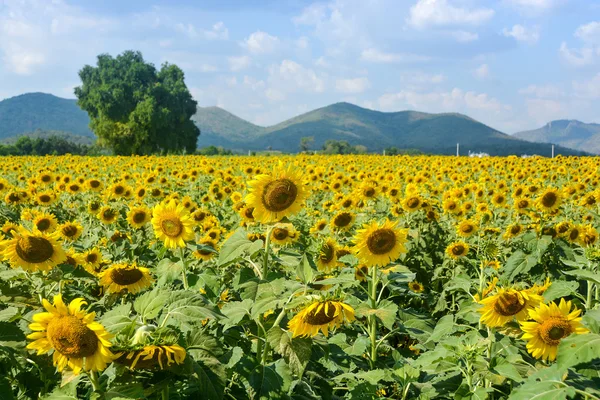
point(342, 221)
point(130, 277)
point(412, 203)
point(416, 287)
point(506, 305)
point(92, 260)
point(44, 222)
point(589, 235)
point(108, 215)
point(8, 228)
point(209, 251)
point(172, 224)
point(320, 315)
point(361, 272)
point(33, 251)
point(457, 249)
point(283, 234)
point(276, 195)
point(70, 231)
point(466, 228)
point(138, 216)
point(319, 226)
point(549, 200)
point(327, 258)
point(551, 323)
point(45, 198)
point(499, 200)
point(380, 244)
point(513, 230)
point(78, 341)
point(574, 234)
point(151, 356)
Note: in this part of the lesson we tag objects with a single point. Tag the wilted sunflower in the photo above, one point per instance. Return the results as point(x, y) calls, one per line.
point(276, 195)
point(379, 244)
point(342, 221)
point(172, 224)
point(130, 277)
point(139, 216)
point(33, 251)
point(327, 259)
point(44, 222)
point(70, 231)
point(551, 323)
point(78, 341)
point(151, 356)
point(457, 249)
point(320, 315)
point(506, 305)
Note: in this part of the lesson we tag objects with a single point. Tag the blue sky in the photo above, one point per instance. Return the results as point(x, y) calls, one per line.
point(512, 64)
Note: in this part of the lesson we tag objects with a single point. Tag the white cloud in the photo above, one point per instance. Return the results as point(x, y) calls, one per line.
point(464, 36)
point(23, 61)
point(589, 33)
point(253, 83)
point(589, 89)
point(261, 42)
point(420, 78)
point(291, 76)
point(274, 94)
point(523, 34)
point(302, 42)
point(311, 15)
point(231, 81)
point(542, 91)
point(187, 29)
point(239, 63)
point(376, 56)
point(441, 13)
point(544, 110)
point(218, 32)
point(482, 72)
point(535, 6)
point(354, 85)
point(578, 57)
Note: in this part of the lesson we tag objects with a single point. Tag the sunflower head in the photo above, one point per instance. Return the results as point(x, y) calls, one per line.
point(125, 277)
point(506, 305)
point(70, 231)
point(172, 224)
point(139, 216)
point(152, 356)
point(457, 249)
point(380, 244)
point(33, 251)
point(416, 287)
point(320, 315)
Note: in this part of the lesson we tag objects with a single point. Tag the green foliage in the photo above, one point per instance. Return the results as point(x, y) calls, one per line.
point(53, 145)
point(342, 147)
point(135, 109)
point(214, 151)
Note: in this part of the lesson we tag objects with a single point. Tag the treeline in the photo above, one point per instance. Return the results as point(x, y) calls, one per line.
point(53, 145)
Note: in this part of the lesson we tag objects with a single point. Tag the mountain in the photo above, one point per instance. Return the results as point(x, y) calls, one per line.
point(431, 133)
point(569, 133)
point(31, 111)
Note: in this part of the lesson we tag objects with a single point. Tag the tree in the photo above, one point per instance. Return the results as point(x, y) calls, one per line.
point(342, 147)
point(135, 109)
point(305, 143)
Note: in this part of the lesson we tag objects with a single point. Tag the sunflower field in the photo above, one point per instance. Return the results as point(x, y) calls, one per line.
point(299, 277)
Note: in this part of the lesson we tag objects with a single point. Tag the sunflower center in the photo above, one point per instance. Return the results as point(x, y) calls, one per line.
point(139, 217)
point(549, 199)
point(119, 190)
point(467, 228)
point(321, 317)
point(34, 249)
point(71, 337)
point(515, 229)
point(44, 198)
point(342, 220)
point(381, 241)
point(369, 192)
point(125, 276)
point(279, 195)
point(249, 212)
point(553, 330)
point(91, 258)
point(414, 202)
point(43, 224)
point(509, 304)
point(458, 249)
point(326, 253)
point(171, 227)
point(109, 214)
point(94, 184)
point(280, 234)
point(574, 234)
point(69, 230)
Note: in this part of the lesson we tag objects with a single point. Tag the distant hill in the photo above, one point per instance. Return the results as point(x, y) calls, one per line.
point(41, 134)
point(31, 111)
point(569, 133)
point(431, 133)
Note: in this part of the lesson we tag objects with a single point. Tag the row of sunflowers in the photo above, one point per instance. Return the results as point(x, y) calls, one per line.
point(299, 277)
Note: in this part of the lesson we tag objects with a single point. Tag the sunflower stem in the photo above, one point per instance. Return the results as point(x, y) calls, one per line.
point(266, 256)
point(372, 318)
point(184, 269)
point(94, 380)
point(589, 302)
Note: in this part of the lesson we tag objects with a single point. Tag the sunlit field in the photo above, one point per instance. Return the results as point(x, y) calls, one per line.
point(299, 277)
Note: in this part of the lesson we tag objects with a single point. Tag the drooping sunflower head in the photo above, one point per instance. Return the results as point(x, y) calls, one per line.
point(551, 323)
point(152, 356)
point(125, 277)
point(172, 224)
point(70, 231)
point(506, 305)
point(78, 341)
point(320, 315)
point(457, 249)
point(276, 195)
point(33, 251)
point(379, 244)
point(327, 259)
point(139, 216)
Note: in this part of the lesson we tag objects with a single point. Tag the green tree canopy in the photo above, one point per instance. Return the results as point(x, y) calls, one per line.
point(135, 109)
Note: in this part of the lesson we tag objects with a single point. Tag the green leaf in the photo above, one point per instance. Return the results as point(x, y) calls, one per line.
point(386, 311)
point(591, 320)
point(508, 370)
point(8, 313)
point(5, 390)
point(373, 377)
point(211, 385)
point(235, 311)
point(544, 390)
point(235, 355)
point(584, 274)
point(150, 304)
point(10, 333)
point(266, 382)
point(234, 247)
point(129, 391)
point(186, 307)
point(560, 289)
point(168, 271)
point(444, 327)
point(578, 349)
point(305, 271)
point(117, 319)
point(296, 351)
point(519, 263)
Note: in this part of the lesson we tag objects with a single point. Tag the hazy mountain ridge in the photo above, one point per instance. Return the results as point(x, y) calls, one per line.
point(569, 133)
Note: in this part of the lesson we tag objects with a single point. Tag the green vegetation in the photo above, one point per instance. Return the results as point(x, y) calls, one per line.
point(135, 109)
point(214, 151)
point(53, 145)
point(306, 142)
point(31, 111)
point(568, 133)
point(43, 134)
point(342, 147)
